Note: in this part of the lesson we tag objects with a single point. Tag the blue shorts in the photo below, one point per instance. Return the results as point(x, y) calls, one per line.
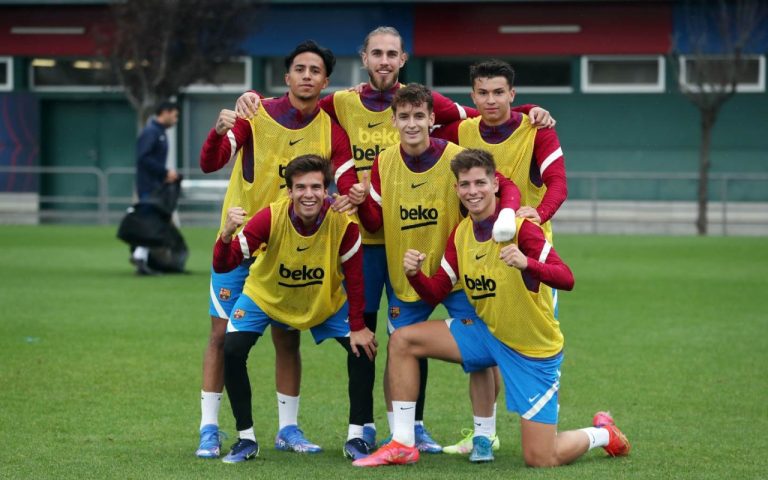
point(401, 314)
point(248, 317)
point(530, 384)
point(375, 277)
point(226, 289)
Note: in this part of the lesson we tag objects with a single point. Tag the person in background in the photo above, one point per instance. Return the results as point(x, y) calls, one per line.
point(151, 170)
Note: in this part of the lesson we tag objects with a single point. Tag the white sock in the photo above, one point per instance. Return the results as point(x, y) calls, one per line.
point(287, 410)
point(209, 406)
point(404, 414)
point(391, 422)
point(419, 422)
point(247, 434)
point(141, 253)
point(598, 437)
point(354, 431)
point(485, 426)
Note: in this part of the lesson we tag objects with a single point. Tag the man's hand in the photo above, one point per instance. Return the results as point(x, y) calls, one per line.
point(530, 213)
point(359, 191)
point(541, 118)
point(412, 262)
point(364, 339)
point(225, 122)
point(357, 88)
point(247, 105)
point(343, 204)
point(171, 176)
point(235, 219)
point(505, 226)
point(512, 256)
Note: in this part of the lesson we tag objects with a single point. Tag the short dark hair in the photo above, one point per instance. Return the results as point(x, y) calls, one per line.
point(414, 94)
point(492, 68)
point(166, 106)
point(329, 59)
point(306, 164)
point(473, 157)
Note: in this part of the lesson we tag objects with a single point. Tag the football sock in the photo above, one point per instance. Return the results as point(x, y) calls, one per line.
point(209, 406)
point(354, 431)
point(598, 437)
point(391, 422)
point(485, 426)
point(287, 410)
point(247, 434)
point(404, 413)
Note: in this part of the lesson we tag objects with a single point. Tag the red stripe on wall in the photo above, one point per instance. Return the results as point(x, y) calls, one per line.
point(473, 29)
point(95, 21)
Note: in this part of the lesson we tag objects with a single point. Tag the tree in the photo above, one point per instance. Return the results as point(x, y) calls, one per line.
point(160, 46)
point(718, 35)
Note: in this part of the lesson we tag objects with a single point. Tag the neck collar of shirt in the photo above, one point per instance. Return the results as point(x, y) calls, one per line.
point(483, 229)
point(298, 223)
point(499, 133)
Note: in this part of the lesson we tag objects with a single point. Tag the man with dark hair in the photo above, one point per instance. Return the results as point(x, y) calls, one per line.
point(286, 127)
point(530, 157)
point(514, 328)
point(297, 283)
point(151, 170)
point(410, 194)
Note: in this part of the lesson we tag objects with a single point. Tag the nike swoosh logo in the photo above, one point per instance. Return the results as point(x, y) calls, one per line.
point(406, 408)
point(299, 249)
point(416, 185)
point(533, 398)
point(371, 125)
point(294, 142)
point(478, 257)
point(282, 401)
point(477, 424)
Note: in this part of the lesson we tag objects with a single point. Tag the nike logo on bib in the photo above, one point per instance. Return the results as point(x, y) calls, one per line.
point(478, 257)
point(371, 125)
point(299, 249)
point(294, 142)
point(416, 185)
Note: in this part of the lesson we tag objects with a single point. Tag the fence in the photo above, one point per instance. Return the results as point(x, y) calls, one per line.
point(600, 202)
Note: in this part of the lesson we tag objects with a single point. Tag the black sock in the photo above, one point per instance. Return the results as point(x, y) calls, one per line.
point(361, 372)
point(237, 345)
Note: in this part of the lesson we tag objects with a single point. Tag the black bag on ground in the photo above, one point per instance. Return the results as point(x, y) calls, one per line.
point(148, 224)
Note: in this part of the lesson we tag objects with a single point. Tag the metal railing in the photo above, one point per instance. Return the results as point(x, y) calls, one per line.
point(723, 179)
point(202, 194)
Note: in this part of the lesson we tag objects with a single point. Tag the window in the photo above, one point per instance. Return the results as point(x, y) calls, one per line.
point(95, 75)
point(6, 74)
point(716, 70)
point(348, 72)
point(616, 74)
point(233, 76)
point(71, 74)
point(532, 75)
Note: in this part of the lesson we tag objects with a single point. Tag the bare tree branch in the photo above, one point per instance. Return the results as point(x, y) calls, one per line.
point(159, 47)
point(715, 73)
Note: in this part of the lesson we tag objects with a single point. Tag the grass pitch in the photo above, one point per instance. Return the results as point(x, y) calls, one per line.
point(100, 369)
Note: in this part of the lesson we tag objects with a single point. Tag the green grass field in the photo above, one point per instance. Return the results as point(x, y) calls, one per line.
point(100, 369)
